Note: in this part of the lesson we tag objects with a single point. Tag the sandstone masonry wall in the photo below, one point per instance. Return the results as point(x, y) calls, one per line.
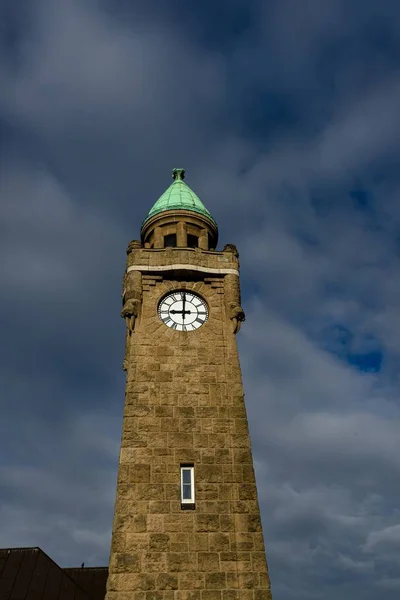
point(185, 404)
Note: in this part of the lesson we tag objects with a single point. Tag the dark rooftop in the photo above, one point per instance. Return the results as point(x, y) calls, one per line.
point(29, 574)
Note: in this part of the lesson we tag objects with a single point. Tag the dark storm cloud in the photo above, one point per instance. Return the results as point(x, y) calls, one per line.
point(285, 117)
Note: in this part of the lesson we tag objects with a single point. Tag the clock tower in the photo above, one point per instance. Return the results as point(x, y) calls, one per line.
point(187, 522)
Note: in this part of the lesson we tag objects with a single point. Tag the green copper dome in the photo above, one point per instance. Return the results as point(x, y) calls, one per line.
point(179, 196)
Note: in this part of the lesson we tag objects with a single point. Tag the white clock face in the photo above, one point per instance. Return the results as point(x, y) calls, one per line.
point(183, 311)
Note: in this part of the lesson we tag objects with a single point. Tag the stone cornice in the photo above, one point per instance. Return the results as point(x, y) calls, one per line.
point(180, 267)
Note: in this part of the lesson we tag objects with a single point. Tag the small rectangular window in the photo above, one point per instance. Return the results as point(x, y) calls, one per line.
point(170, 240)
point(187, 484)
point(192, 241)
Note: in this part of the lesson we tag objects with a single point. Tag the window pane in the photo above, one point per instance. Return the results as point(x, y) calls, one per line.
point(186, 476)
point(187, 492)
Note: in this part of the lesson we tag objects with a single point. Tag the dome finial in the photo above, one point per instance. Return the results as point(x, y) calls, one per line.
point(178, 174)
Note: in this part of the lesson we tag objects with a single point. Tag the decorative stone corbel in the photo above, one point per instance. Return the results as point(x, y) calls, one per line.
point(132, 301)
point(234, 309)
point(237, 316)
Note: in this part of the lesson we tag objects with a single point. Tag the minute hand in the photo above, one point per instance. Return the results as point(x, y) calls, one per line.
point(183, 309)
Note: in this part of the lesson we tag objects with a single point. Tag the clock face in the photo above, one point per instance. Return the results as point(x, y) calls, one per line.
point(183, 311)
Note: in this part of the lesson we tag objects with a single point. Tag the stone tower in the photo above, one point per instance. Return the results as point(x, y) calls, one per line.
point(187, 522)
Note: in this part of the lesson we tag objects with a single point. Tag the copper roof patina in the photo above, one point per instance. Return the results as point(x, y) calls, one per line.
point(179, 196)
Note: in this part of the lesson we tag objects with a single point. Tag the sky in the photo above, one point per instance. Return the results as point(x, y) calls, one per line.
point(285, 115)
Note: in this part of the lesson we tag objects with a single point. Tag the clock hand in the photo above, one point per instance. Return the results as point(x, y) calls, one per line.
point(183, 309)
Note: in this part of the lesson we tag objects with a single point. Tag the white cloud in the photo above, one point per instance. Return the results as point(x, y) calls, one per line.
point(389, 536)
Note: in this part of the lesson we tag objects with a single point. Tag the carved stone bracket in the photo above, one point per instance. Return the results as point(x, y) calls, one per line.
point(234, 309)
point(132, 302)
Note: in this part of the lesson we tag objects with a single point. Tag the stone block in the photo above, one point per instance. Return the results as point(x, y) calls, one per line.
point(254, 523)
point(227, 523)
point(218, 440)
point(173, 523)
point(237, 594)
point(180, 440)
point(124, 563)
point(213, 507)
point(207, 522)
point(155, 522)
point(215, 581)
point(139, 473)
point(157, 440)
point(138, 524)
point(159, 507)
point(164, 411)
point(241, 426)
point(201, 440)
point(179, 542)
point(259, 561)
point(264, 594)
point(211, 595)
point(184, 412)
point(242, 455)
point(223, 456)
point(223, 425)
point(264, 580)
point(169, 424)
point(148, 491)
point(198, 542)
point(154, 562)
point(188, 595)
point(191, 581)
point(219, 542)
point(205, 412)
point(159, 542)
point(242, 541)
point(167, 581)
point(189, 426)
point(208, 561)
point(248, 580)
point(207, 491)
point(259, 542)
point(181, 561)
point(136, 541)
point(118, 542)
point(247, 492)
point(208, 473)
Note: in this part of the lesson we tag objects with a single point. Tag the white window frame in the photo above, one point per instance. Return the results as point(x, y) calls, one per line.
point(190, 500)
